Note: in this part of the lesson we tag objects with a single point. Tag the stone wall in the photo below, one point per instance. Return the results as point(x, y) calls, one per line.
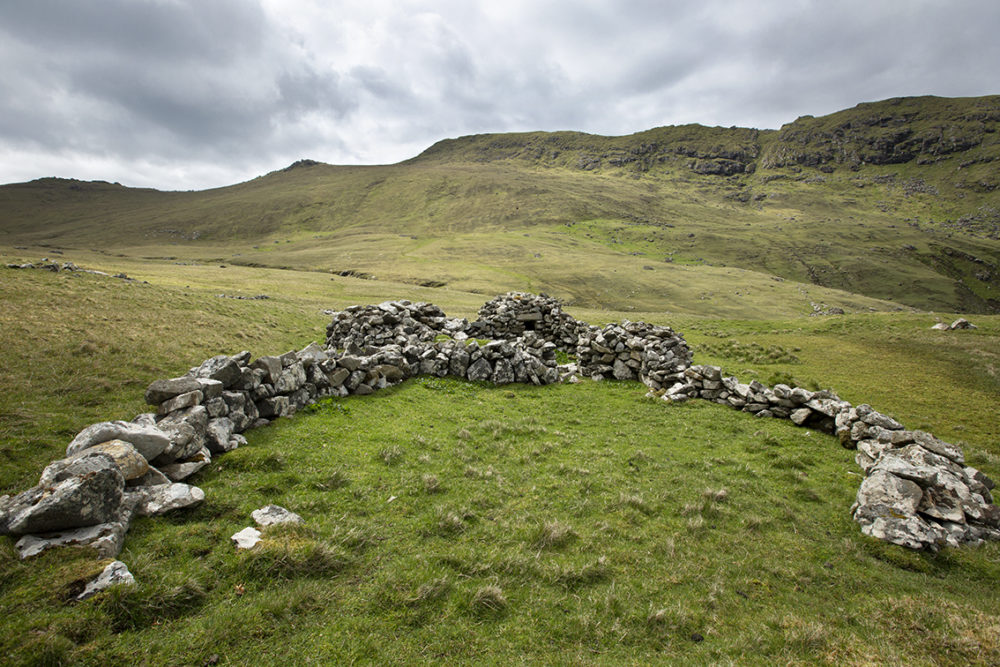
point(917, 491)
point(512, 314)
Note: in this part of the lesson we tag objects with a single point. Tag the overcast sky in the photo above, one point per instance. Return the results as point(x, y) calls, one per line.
point(191, 94)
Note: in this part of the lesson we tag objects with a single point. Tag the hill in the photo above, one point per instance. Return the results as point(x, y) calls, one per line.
point(895, 201)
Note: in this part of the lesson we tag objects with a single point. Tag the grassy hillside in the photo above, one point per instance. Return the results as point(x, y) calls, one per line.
point(896, 201)
point(578, 522)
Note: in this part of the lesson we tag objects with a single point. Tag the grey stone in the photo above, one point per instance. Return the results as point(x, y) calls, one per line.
point(350, 363)
point(884, 421)
point(153, 477)
point(210, 388)
point(130, 462)
point(800, 416)
point(163, 390)
point(216, 407)
point(312, 354)
point(72, 493)
point(621, 371)
point(272, 515)
point(918, 464)
point(187, 467)
point(223, 368)
point(150, 441)
point(907, 531)
point(187, 430)
point(115, 574)
point(271, 366)
point(947, 450)
point(503, 372)
point(218, 434)
point(271, 408)
point(480, 370)
point(337, 377)
point(180, 402)
point(885, 495)
point(292, 378)
point(156, 500)
point(105, 538)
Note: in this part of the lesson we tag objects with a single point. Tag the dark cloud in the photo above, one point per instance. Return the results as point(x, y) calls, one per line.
point(170, 93)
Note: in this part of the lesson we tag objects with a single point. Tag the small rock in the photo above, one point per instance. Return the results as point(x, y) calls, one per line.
point(156, 500)
point(247, 538)
point(273, 515)
point(115, 573)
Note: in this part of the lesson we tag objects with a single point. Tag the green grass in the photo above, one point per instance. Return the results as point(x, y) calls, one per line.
point(457, 521)
point(572, 522)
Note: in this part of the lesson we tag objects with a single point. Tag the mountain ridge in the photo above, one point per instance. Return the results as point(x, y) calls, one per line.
point(896, 200)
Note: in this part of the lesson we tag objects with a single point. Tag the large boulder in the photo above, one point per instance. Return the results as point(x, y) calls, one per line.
point(132, 464)
point(72, 493)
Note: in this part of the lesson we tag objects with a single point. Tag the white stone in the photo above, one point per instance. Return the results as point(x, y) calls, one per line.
point(247, 538)
point(115, 573)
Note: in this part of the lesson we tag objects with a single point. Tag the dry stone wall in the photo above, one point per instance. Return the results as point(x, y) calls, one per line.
point(917, 492)
point(510, 315)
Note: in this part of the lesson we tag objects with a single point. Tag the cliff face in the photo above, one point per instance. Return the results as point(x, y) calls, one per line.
point(924, 130)
point(920, 129)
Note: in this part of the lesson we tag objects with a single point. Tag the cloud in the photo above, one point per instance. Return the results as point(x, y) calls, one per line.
point(191, 94)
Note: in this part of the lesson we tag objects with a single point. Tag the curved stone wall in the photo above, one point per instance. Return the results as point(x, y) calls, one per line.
point(918, 492)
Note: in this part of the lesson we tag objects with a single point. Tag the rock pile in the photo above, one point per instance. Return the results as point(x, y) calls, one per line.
point(655, 355)
point(510, 315)
point(917, 492)
point(391, 323)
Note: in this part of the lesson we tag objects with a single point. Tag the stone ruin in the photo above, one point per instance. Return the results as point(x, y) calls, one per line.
point(510, 315)
point(917, 492)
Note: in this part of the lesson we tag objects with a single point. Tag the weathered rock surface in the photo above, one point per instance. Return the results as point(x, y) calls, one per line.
point(149, 440)
point(71, 493)
point(116, 573)
point(272, 515)
point(156, 500)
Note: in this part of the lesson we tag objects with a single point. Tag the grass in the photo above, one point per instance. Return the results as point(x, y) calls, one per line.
point(612, 528)
point(471, 523)
point(490, 213)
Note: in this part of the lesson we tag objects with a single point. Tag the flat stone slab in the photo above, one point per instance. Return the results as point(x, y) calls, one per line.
point(247, 538)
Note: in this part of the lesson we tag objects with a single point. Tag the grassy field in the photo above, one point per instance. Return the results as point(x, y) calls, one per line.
point(897, 201)
point(449, 521)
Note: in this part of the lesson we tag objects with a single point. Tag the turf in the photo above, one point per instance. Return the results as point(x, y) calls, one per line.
point(456, 521)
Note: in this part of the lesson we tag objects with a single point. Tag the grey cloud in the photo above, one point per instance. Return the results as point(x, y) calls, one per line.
point(232, 87)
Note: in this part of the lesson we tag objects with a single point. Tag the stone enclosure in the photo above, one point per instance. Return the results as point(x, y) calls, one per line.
point(917, 491)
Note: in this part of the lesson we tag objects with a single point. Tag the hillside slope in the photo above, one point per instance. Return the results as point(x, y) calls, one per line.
point(894, 200)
